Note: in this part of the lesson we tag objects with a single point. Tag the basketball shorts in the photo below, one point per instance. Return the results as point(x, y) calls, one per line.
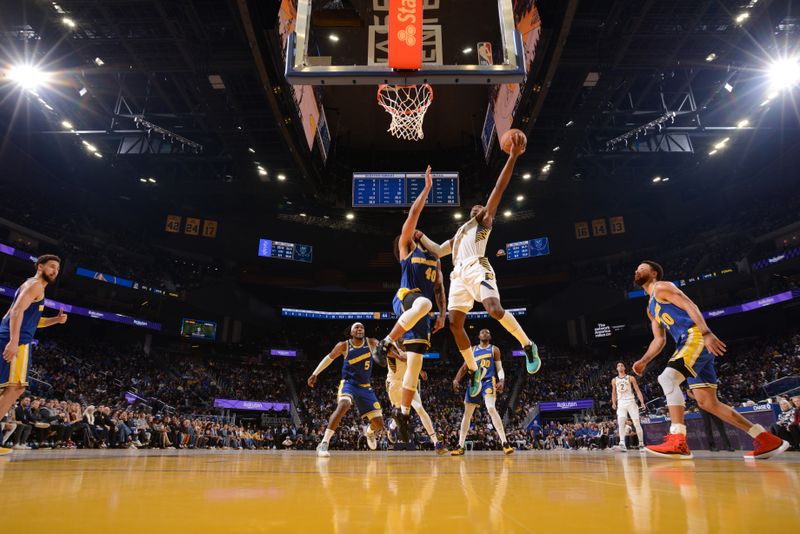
point(418, 338)
point(693, 361)
point(628, 409)
point(362, 396)
point(394, 385)
point(15, 372)
point(488, 388)
point(474, 282)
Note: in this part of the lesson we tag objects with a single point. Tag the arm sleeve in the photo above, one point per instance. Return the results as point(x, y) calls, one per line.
point(326, 361)
point(439, 250)
point(500, 373)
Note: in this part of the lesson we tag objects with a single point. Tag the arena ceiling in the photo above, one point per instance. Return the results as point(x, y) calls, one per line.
point(191, 93)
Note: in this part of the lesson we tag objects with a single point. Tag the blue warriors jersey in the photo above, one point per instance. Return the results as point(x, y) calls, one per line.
point(418, 273)
point(357, 366)
point(30, 321)
point(485, 360)
point(674, 319)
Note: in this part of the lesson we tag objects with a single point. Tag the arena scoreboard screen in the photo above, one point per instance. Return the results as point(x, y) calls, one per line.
point(267, 248)
point(197, 329)
point(400, 189)
point(531, 248)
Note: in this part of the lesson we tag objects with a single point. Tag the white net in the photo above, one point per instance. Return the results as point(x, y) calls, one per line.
point(407, 105)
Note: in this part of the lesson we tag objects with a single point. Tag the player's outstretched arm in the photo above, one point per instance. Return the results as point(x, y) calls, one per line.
point(655, 348)
point(487, 215)
point(61, 318)
point(670, 292)
point(637, 390)
point(439, 251)
point(15, 314)
point(613, 393)
point(407, 233)
point(441, 299)
point(337, 351)
point(498, 365)
point(459, 375)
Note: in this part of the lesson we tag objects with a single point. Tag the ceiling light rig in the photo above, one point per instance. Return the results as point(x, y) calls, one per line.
point(169, 136)
point(657, 125)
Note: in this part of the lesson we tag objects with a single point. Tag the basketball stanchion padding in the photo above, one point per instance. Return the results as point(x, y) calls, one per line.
point(407, 104)
point(405, 34)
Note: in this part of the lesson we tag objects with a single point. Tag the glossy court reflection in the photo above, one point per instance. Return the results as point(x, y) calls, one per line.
point(352, 492)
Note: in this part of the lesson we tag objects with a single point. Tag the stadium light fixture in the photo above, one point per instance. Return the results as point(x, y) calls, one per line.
point(656, 179)
point(68, 22)
point(744, 123)
point(507, 214)
point(143, 180)
point(262, 171)
point(99, 62)
point(90, 147)
point(467, 50)
point(98, 155)
point(526, 176)
point(151, 180)
point(570, 123)
point(334, 38)
point(741, 17)
point(784, 73)
point(281, 177)
point(665, 179)
point(713, 152)
point(303, 215)
point(556, 149)
point(28, 77)
point(67, 125)
point(251, 150)
point(350, 216)
point(457, 216)
point(520, 198)
point(550, 162)
point(721, 144)
point(711, 57)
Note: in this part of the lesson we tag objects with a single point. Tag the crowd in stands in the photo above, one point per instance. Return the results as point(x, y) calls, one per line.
point(78, 384)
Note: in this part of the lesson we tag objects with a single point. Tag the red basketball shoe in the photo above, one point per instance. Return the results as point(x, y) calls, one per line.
point(674, 446)
point(766, 445)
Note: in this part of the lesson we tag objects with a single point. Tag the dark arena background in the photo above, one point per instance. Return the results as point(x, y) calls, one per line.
point(219, 185)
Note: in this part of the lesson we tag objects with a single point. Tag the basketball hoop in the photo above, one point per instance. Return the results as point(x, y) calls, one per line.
point(407, 104)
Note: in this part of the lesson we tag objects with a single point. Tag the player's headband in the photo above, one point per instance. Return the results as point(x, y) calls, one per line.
point(354, 325)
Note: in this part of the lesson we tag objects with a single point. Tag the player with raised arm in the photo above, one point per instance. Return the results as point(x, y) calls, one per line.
point(355, 387)
point(693, 362)
point(473, 279)
point(19, 326)
point(622, 400)
point(420, 285)
point(493, 381)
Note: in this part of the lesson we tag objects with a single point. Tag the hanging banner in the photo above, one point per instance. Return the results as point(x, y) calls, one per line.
point(173, 224)
point(582, 230)
point(617, 225)
point(599, 227)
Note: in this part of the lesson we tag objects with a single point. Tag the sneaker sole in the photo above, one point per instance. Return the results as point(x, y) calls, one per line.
point(508, 452)
point(670, 456)
point(324, 454)
point(537, 362)
point(769, 454)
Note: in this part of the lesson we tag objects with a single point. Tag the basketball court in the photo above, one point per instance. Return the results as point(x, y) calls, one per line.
point(390, 492)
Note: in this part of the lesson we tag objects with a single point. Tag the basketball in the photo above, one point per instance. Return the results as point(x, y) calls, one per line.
point(508, 137)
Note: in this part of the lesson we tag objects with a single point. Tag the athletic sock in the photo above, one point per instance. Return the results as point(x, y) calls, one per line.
point(498, 425)
point(677, 428)
point(755, 430)
point(469, 358)
point(510, 323)
point(328, 435)
point(434, 439)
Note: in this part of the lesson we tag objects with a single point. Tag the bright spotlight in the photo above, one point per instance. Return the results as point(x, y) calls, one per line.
point(27, 76)
point(457, 216)
point(334, 38)
point(67, 125)
point(262, 171)
point(350, 216)
point(520, 198)
point(507, 214)
point(712, 152)
point(742, 17)
point(744, 123)
point(467, 50)
point(281, 177)
point(711, 57)
point(656, 179)
point(526, 176)
point(68, 22)
point(784, 73)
